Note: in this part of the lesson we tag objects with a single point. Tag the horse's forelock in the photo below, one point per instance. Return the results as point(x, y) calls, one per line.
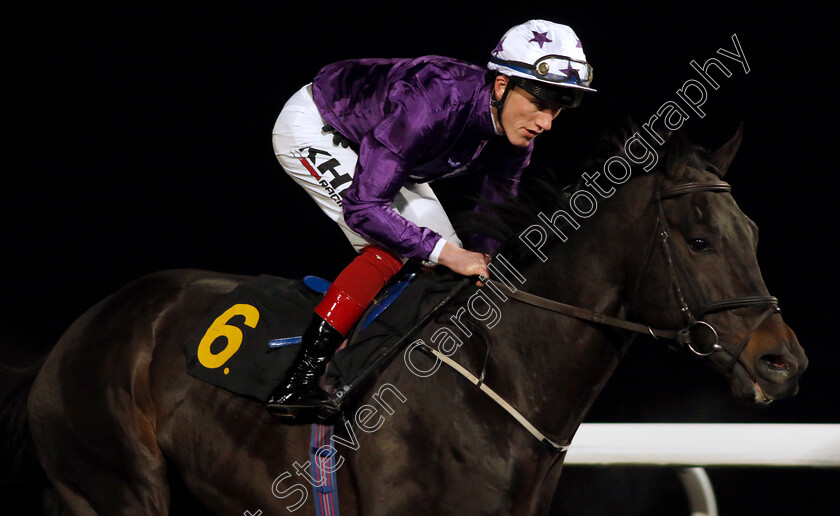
point(681, 156)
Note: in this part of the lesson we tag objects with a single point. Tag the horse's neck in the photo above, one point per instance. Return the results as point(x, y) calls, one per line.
point(591, 269)
point(564, 362)
point(548, 366)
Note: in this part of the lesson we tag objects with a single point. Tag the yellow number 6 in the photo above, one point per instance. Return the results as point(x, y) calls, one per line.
point(221, 328)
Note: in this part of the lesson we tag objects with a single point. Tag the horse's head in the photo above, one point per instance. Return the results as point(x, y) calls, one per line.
point(701, 274)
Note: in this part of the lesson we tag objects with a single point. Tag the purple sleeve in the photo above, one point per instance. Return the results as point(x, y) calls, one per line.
point(386, 155)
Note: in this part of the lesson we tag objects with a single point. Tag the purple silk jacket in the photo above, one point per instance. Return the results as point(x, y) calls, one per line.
point(415, 120)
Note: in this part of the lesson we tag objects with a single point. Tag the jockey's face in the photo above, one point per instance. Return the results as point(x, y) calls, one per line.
point(524, 116)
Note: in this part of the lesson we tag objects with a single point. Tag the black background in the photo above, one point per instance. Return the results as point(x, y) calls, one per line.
point(137, 138)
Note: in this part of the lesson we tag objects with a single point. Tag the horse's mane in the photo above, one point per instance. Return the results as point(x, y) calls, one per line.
point(547, 190)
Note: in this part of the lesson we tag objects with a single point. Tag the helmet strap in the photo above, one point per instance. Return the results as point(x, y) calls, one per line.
point(500, 103)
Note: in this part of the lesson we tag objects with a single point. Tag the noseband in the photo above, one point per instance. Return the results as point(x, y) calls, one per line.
point(684, 336)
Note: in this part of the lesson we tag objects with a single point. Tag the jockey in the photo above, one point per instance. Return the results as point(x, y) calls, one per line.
point(366, 137)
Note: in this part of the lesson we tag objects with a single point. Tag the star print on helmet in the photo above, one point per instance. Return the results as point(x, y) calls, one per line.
point(498, 47)
point(540, 37)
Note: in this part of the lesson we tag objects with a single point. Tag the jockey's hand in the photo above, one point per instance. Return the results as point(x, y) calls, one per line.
point(338, 138)
point(464, 262)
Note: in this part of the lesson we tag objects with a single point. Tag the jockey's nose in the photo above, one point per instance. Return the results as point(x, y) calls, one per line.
point(544, 119)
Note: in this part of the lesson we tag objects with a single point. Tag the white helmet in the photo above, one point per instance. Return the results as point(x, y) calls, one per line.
point(546, 59)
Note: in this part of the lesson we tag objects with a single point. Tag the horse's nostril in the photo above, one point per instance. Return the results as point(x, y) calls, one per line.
point(776, 368)
point(777, 361)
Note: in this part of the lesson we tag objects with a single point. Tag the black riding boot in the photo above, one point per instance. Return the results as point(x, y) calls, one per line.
point(299, 399)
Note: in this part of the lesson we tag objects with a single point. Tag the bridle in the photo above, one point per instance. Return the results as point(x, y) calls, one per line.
point(684, 336)
point(692, 320)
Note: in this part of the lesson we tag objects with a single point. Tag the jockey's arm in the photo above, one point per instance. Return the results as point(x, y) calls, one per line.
point(380, 174)
point(413, 133)
point(377, 221)
point(367, 210)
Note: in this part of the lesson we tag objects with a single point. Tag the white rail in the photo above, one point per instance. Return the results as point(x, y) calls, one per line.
point(691, 445)
point(701, 444)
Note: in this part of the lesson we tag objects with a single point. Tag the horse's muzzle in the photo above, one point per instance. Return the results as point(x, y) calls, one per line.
point(774, 360)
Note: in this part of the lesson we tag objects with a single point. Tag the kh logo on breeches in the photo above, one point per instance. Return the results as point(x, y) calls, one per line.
point(339, 181)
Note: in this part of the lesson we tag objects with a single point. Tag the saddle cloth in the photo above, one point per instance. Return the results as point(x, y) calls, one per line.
point(230, 348)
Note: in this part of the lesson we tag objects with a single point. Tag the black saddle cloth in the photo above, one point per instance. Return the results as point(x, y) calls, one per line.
point(230, 351)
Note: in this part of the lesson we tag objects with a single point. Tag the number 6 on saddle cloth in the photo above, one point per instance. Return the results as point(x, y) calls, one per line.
point(228, 347)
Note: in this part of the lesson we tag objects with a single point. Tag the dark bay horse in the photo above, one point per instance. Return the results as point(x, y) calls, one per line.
point(114, 416)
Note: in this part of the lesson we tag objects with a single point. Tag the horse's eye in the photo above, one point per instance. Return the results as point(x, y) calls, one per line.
point(699, 244)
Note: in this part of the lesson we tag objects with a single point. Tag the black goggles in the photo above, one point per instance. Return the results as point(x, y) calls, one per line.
point(560, 96)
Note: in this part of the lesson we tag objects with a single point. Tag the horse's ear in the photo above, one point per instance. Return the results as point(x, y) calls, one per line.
point(676, 158)
point(722, 157)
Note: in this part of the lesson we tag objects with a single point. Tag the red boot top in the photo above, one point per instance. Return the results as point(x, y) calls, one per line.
point(356, 286)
